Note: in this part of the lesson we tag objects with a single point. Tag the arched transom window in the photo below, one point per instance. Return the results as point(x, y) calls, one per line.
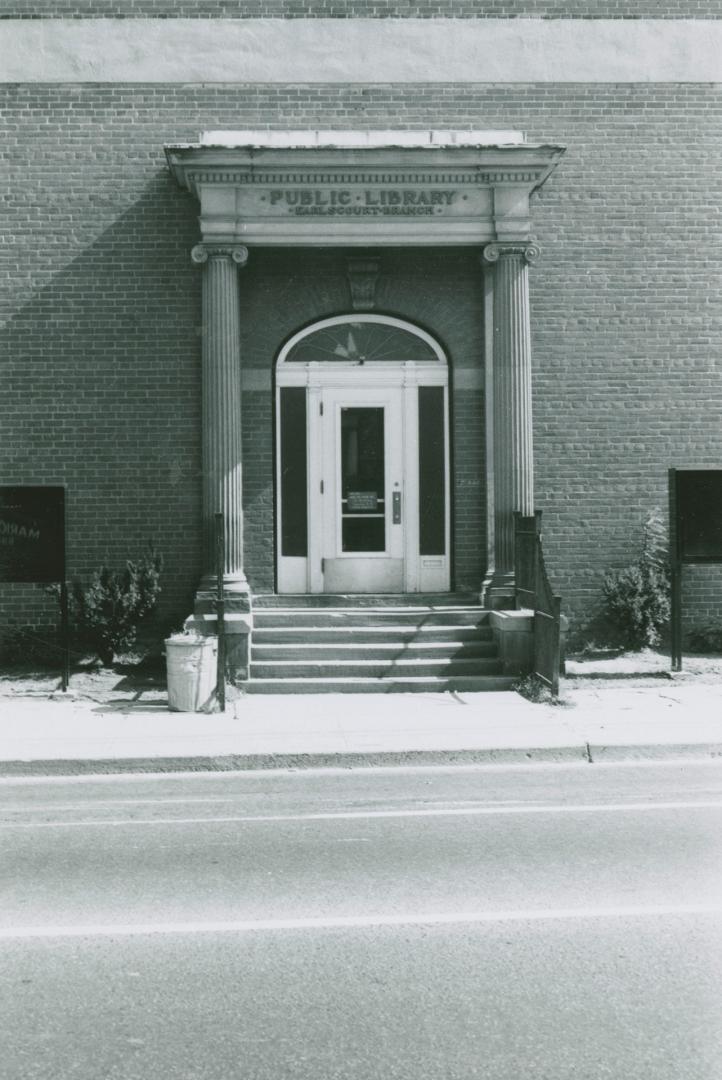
point(362, 339)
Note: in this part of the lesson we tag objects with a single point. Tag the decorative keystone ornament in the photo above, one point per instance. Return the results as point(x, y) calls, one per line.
point(362, 277)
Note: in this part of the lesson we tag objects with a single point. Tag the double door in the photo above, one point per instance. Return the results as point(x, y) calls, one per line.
point(363, 480)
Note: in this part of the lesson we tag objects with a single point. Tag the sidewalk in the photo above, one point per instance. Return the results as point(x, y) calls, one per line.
point(59, 735)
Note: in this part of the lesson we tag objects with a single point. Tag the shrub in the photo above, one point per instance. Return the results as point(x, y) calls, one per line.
point(533, 689)
point(105, 614)
point(637, 598)
point(707, 638)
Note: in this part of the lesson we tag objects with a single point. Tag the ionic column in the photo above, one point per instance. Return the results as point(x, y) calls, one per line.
point(221, 411)
point(513, 463)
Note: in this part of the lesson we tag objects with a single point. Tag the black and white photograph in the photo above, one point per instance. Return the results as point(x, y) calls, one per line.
point(360, 540)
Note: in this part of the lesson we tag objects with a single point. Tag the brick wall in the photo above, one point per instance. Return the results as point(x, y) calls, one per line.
point(100, 306)
point(258, 490)
point(370, 9)
point(468, 490)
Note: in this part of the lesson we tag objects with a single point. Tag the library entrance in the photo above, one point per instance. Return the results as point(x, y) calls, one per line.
point(361, 441)
point(362, 459)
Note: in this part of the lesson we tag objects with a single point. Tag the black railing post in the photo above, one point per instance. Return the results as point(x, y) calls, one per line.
point(64, 634)
point(534, 591)
point(220, 613)
point(675, 568)
point(525, 533)
point(64, 619)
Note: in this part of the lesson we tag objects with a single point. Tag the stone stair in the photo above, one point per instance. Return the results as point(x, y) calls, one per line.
point(372, 644)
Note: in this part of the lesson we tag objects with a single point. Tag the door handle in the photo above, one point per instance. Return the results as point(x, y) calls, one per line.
point(396, 508)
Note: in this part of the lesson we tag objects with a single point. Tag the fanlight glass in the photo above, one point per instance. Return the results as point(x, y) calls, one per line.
point(362, 343)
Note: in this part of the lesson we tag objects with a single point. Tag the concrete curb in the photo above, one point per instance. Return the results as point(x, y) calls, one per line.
point(586, 752)
point(655, 752)
point(250, 762)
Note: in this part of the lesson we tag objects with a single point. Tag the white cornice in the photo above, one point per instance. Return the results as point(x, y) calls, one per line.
point(300, 139)
point(316, 193)
point(360, 50)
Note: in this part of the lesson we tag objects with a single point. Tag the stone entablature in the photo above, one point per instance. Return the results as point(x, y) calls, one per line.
point(364, 188)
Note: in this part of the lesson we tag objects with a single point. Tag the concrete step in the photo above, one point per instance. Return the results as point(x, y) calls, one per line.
point(332, 617)
point(373, 644)
point(424, 650)
point(266, 601)
point(392, 685)
point(374, 669)
point(363, 635)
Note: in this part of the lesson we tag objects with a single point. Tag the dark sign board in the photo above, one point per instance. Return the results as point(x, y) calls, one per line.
point(32, 534)
point(695, 533)
point(696, 503)
point(362, 500)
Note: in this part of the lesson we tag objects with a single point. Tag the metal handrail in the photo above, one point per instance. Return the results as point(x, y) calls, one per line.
point(532, 589)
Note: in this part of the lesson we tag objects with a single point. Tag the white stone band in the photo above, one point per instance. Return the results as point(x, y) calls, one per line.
point(261, 379)
point(360, 50)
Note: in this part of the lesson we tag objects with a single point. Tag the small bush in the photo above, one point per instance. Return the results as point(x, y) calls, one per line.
point(637, 598)
point(707, 638)
point(105, 614)
point(533, 689)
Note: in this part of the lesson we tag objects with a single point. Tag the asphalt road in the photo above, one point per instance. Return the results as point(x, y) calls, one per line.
point(546, 922)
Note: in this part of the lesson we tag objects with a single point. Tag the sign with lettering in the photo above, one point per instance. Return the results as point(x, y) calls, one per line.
point(284, 206)
point(361, 202)
point(32, 534)
point(362, 500)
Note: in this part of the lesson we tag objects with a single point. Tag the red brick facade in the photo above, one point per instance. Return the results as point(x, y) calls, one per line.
point(100, 346)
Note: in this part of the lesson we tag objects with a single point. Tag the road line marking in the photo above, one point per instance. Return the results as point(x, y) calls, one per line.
point(46, 808)
point(214, 800)
point(340, 922)
point(354, 815)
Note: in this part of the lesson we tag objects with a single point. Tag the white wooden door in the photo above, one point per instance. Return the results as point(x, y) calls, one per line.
point(364, 486)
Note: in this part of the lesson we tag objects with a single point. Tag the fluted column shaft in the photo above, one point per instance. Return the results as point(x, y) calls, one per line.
point(512, 405)
point(221, 409)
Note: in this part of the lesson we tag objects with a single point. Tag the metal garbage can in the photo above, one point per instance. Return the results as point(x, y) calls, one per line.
point(191, 667)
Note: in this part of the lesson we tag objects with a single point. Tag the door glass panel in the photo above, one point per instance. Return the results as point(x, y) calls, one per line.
point(432, 471)
point(369, 342)
point(294, 494)
point(363, 496)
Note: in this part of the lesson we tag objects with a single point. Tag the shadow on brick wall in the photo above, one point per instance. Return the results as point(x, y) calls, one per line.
point(101, 390)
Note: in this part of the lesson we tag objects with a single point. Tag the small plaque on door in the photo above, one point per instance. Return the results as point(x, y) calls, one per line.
point(361, 500)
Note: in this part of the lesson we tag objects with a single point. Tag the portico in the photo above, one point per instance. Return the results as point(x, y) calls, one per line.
point(360, 486)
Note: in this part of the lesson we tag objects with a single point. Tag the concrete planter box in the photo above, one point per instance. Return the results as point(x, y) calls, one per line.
point(514, 637)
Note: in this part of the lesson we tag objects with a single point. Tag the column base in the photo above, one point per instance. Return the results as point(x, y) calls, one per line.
point(236, 590)
point(238, 622)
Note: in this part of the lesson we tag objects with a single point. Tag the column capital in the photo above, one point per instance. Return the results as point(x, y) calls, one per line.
point(201, 253)
point(524, 249)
